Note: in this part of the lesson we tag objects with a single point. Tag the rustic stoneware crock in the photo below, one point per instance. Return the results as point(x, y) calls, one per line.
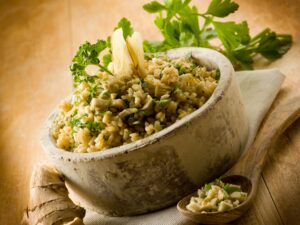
point(159, 170)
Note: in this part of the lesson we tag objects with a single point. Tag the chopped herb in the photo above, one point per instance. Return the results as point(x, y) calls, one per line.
point(229, 188)
point(207, 187)
point(106, 94)
point(100, 113)
point(164, 102)
point(94, 127)
point(149, 55)
point(177, 90)
point(161, 104)
point(217, 182)
point(182, 70)
point(76, 122)
point(87, 55)
point(144, 113)
point(138, 122)
point(93, 92)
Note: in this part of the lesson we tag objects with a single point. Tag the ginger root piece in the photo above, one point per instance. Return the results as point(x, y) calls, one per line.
point(49, 203)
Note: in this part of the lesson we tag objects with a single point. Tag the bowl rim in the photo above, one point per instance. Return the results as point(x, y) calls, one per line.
point(208, 57)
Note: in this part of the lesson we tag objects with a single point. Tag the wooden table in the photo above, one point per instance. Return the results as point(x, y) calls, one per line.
point(38, 40)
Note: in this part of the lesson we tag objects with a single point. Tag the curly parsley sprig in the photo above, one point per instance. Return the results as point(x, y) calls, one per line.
point(88, 54)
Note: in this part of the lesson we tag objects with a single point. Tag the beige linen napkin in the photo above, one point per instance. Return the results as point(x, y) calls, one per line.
point(259, 89)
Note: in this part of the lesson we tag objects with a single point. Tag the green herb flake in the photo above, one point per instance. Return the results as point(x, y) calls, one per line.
point(177, 90)
point(93, 92)
point(153, 7)
point(87, 55)
point(221, 8)
point(126, 27)
point(207, 187)
point(229, 188)
point(94, 127)
point(107, 59)
point(182, 70)
point(162, 103)
point(106, 94)
point(138, 122)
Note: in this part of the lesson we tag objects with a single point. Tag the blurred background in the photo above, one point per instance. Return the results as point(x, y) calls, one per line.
point(38, 39)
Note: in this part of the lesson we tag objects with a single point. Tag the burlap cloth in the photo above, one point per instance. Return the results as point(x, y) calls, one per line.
point(259, 89)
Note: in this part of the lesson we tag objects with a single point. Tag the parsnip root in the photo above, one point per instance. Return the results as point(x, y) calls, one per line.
point(136, 51)
point(127, 55)
point(121, 59)
point(49, 203)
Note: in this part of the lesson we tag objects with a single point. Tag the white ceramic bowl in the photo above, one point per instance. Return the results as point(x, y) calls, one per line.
point(157, 171)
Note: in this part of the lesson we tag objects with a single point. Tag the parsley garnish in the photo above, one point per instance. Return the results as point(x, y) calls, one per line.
point(161, 104)
point(229, 188)
point(94, 127)
point(178, 23)
point(106, 94)
point(126, 27)
point(221, 8)
point(88, 55)
point(93, 92)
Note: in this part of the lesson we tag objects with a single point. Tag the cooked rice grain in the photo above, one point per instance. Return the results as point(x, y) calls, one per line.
point(110, 112)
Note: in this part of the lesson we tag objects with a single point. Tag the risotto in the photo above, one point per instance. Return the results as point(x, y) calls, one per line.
point(110, 111)
point(217, 197)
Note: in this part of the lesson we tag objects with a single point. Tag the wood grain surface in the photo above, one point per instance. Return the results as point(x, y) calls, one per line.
point(38, 39)
point(247, 171)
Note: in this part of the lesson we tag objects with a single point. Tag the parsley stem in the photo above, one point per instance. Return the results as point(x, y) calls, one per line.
point(260, 34)
point(201, 14)
point(105, 69)
point(207, 22)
